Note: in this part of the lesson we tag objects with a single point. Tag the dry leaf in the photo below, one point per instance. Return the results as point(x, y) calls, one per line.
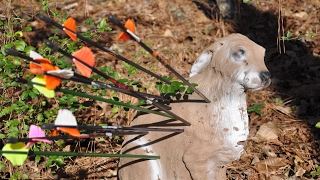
point(276, 178)
point(285, 110)
point(67, 148)
point(301, 14)
point(297, 160)
point(255, 160)
point(168, 33)
point(270, 165)
point(202, 18)
point(300, 172)
point(267, 131)
point(275, 162)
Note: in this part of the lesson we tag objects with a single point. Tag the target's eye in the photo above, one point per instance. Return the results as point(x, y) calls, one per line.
point(239, 55)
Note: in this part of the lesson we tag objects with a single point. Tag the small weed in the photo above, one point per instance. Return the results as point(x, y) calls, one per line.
point(55, 162)
point(102, 26)
point(2, 166)
point(18, 175)
point(287, 36)
point(278, 101)
point(316, 172)
point(208, 30)
point(255, 108)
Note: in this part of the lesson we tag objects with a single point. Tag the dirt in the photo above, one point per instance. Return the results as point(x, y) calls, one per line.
point(283, 142)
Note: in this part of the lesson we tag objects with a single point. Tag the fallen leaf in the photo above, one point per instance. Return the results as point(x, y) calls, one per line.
point(300, 172)
point(266, 132)
point(168, 33)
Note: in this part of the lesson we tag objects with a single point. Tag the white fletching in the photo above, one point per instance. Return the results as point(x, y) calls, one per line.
point(65, 118)
point(63, 73)
point(34, 55)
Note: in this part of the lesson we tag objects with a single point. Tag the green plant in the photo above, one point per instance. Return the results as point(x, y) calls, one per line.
point(175, 87)
point(2, 166)
point(287, 36)
point(102, 26)
point(255, 108)
point(316, 172)
point(208, 30)
point(55, 162)
point(18, 175)
point(278, 101)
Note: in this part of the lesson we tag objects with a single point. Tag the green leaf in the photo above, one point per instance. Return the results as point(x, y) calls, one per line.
point(27, 28)
point(7, 46)
point(194, 84)
point(311, 35)
point(159, 87)
point(255, 108)
point(2, 136)
point(102, 24)
point(40, 117)
point(164, 88)
point(171, 89)
point(189, 91)
point(59, 161)
point(24, 176)
point(182, 89)
point(132, 71)
point(24, 95)
point(61, 144)
point(20, 45)
point(115, 109)
point(32, 94)
point(288, 34)
point(28, 48)
point(50, 160)
point(10, 34)
point(18, 34)
point(89, 22)
point(2, 166)
point(126, 65)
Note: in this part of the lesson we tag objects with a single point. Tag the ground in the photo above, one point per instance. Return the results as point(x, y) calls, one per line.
point(283, 142)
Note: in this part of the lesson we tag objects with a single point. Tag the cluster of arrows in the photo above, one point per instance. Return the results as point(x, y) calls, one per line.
point(47, 81)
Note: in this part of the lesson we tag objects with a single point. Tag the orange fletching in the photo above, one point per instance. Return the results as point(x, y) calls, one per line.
point(129, 25)
point(53, 133)
point(51, 81)
point(40, 60)
point(37, 71)
point(70, 24)
point(86, 55)
point(71, 131)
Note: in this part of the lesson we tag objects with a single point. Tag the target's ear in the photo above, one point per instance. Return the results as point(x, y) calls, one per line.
point(201, 62)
